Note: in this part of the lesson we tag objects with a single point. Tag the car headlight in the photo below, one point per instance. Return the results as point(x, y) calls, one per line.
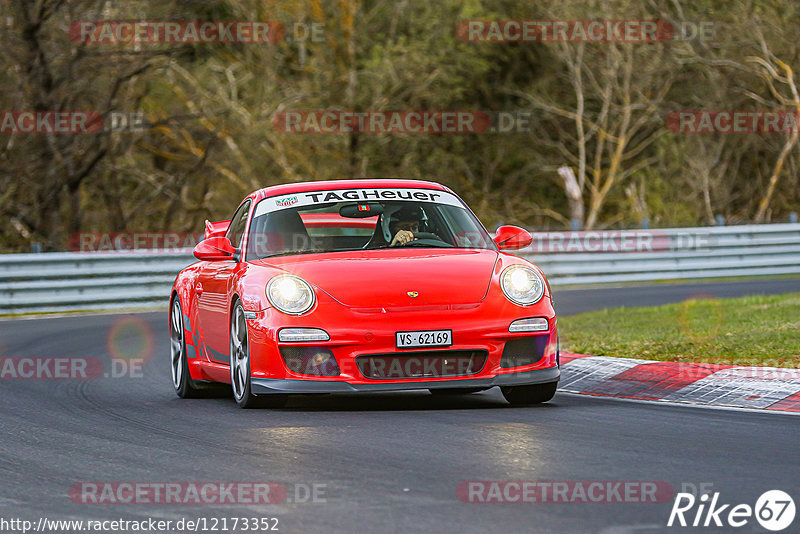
point(522, 285)
point(290, 294)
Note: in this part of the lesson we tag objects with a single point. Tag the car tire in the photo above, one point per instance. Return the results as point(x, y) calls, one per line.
point(446, 392)
point(185, 387)
point(527, 395)
point(240, 366)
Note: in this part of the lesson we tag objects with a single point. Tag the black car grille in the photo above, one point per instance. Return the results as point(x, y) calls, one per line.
point(422, 364)
point(524, 351)
point(313, 361)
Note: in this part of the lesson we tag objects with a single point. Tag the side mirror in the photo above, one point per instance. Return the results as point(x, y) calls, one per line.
point(214, 249)
point(512, 238)
point(216, 229)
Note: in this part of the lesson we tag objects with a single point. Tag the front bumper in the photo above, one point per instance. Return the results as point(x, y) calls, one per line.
point(267, 386)
point(356, 333)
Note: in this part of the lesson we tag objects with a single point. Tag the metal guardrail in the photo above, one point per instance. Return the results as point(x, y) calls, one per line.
point(85, 281)
point(680, 254)
point(68, 281)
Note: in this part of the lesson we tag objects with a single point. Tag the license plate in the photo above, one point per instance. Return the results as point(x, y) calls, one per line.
point(424, 338)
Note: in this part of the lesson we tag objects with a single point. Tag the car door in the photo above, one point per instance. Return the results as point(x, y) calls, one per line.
point(213, 295)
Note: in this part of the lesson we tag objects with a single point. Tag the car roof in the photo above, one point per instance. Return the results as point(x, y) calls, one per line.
point(327, 185)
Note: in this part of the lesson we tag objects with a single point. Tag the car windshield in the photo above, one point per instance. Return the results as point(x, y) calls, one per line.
point(305, 223)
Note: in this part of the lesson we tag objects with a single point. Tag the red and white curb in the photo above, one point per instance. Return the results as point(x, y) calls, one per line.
point(768, 388)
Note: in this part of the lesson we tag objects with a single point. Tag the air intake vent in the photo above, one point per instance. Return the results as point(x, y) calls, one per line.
point(422, 364)
point(524, 351)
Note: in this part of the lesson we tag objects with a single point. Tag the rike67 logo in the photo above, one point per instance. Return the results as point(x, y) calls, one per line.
point(774, 510)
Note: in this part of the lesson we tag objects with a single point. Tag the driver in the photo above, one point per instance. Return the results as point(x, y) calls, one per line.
point(404, 224)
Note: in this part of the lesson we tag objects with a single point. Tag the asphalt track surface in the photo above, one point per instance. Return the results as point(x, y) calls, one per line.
point(387, 462)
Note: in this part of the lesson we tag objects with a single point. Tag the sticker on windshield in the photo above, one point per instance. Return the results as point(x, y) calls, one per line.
point(311, 198)
point(285, 202)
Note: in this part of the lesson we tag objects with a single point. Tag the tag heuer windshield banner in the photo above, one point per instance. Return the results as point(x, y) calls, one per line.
point(310, 198)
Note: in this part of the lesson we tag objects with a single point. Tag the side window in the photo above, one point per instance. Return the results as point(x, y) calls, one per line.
point(238, 222)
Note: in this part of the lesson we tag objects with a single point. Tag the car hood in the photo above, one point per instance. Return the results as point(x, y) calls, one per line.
point(389, 277)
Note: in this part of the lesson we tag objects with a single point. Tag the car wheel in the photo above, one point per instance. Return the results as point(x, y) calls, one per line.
point(443, 392)
point(240, 367)
point(527, 395)
point(184, 385)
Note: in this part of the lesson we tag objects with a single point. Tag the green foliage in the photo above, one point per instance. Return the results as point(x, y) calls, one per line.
point(211, 138)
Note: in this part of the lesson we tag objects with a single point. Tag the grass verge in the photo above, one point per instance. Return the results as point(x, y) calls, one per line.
point(751, 331)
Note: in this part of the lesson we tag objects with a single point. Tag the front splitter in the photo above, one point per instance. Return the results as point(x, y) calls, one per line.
point(267, 386)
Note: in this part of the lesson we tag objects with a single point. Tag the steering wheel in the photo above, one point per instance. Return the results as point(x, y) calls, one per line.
point(426, 239)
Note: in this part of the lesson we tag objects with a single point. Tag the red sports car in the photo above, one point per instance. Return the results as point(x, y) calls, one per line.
point(361, 286)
